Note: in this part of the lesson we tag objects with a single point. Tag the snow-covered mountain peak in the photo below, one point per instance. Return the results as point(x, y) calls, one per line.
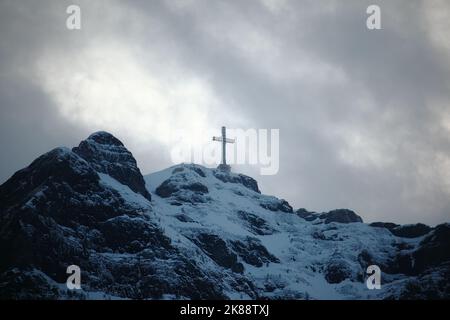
point(204, 234)
point(261, 237)
point(107, 154)
point(105, 138)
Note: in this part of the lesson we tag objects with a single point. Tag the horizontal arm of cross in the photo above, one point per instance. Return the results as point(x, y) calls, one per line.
point(227, 140)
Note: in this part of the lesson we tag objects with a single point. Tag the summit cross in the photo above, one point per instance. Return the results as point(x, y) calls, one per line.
point(224, 141)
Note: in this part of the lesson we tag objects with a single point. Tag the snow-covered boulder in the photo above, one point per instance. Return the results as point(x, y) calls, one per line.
point(226, 176)
point(275, 204)
point(184, 185)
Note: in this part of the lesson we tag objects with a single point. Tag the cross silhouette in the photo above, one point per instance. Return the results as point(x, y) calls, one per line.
point(224, 141)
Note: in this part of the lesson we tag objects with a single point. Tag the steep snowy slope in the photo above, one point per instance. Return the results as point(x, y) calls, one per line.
point(190, 232)
point(281, 253)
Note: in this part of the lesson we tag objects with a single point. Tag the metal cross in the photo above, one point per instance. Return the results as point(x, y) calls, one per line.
point(224, 141)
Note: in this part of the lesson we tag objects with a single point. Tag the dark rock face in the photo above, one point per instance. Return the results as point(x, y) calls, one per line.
point(255, 224)
point(107, 154)
point(198, 170)
point(246, 181)
point(59, 164)
point(411, 230)
point(341, 216)
point(337, 271)
point(277, 205)
point(27, 286)
point(185, 192)
point(404, 231)
point(125, 234)
point(166, 189)
point(250, 250)
point(249, 182)
point(218, 251)
point(387, 225)
point(433, 285)
point(338, 215)
point(307, 215)
point(184, 185)
point(365, 259)
point(253, 252)
point(196, 187)
point(285, 206)
point(57, 213)
point(434, 249)
point(193, 167)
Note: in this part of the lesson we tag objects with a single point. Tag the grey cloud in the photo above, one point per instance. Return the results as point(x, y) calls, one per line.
point(310, 68)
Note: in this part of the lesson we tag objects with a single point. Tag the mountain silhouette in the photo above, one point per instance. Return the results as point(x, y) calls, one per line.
point(191, 232)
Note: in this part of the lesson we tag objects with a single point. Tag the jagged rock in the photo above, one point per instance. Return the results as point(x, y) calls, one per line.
point(193, 167)
point(106, 154)
point(255, 224)
point(185, 192)
point(432, 251)
point(338, 270)
point(249, 182)
point(434, 248)
point(341, 216)
point(274, 204)
point(127, 234)
point(196, 187)
point(26, 285)
point(198, 170)
point(387, 225)
point(253, 252)
point(167, 189)
point(60, 164)
point(405, 231)
point(307, 215)
point(184, 185)
point(411, 230)
point(433, 285)
point(218, 251)
point(246, 181)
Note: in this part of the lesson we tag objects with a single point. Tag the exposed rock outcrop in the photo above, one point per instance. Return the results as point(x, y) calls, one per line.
point(107, 154)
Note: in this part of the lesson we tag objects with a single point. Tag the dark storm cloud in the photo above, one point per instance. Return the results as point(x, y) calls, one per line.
point(360, 112)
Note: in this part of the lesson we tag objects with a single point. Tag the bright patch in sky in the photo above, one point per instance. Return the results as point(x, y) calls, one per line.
point(108, 88)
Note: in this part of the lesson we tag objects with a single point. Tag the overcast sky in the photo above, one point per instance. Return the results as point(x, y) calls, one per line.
point(364, 116)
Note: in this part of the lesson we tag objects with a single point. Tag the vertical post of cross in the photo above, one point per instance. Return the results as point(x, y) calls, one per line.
point(223, 166)
point(224, 141)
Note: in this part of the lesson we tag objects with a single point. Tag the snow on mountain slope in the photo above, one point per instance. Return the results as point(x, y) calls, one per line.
point(190, 232)
point(301, 249)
